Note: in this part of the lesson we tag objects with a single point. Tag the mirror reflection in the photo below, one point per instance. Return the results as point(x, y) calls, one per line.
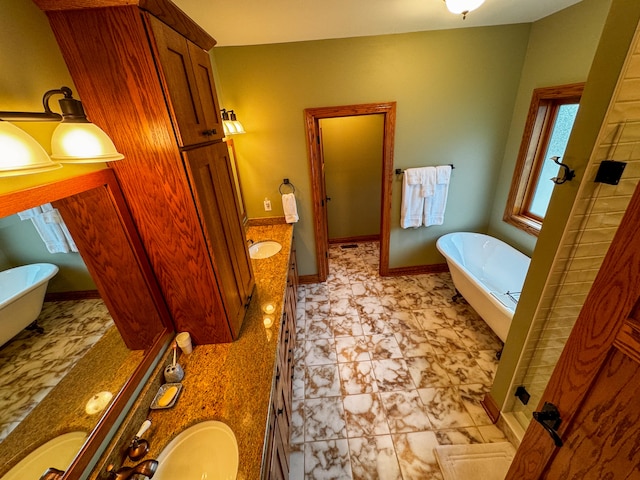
point(60, 374)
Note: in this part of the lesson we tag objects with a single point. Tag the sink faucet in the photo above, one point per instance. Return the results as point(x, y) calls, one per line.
point(52, 474)
point(146, 468)
point(250, 241)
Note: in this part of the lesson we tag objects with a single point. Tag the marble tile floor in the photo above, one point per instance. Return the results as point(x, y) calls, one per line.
point(31, 364)
point(386, 369)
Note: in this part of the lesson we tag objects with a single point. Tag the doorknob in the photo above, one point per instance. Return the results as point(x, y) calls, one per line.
point(549, 418)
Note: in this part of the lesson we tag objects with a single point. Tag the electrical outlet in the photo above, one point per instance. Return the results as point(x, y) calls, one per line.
point(267, 205)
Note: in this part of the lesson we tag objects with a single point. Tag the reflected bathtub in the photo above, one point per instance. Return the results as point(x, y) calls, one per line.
point(22, 292)
point(488, 273)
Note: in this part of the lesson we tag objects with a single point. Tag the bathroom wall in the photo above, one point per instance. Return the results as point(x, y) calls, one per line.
point(21, 245)
point(560, 51)
point(31, 55)
point(455, 93)
point(569, 250)
point(352, 148)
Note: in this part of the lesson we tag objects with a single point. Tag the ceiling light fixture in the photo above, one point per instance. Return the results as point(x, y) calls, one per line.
point(75, 139)
point(463, 6)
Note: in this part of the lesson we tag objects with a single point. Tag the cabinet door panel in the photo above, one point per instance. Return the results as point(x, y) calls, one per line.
point(216, 202)
point(239, 250)
point(203, 74)
point(180, 84)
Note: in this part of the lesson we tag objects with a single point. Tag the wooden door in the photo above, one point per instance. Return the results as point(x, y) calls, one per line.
point(596, 381)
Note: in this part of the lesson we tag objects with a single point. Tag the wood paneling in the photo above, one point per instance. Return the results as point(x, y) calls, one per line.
point(110, 248)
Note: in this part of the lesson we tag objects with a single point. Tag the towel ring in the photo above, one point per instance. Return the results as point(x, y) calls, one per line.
point(286, 183)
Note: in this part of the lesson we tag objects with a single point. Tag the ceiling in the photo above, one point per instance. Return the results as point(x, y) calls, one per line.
point(254, 22)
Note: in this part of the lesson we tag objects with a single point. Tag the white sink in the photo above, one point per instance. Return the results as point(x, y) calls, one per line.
point(57, 453)
point(264, 249)
point(206, 450)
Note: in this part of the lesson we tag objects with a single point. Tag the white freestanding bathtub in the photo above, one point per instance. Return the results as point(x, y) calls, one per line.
point(22, 292)
point(488, 273)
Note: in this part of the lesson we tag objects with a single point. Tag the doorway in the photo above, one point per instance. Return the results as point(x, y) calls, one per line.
point(351, 149)
point(313, 116)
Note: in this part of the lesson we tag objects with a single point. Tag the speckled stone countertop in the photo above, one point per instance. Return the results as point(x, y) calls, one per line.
point(229, 382)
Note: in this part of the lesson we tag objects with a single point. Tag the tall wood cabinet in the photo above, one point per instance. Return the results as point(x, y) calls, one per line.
point(143, 74)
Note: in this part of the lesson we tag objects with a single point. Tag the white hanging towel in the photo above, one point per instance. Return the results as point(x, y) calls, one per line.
point(51, 228)
point(289, 207)
point(435, 205)
point(417, 184)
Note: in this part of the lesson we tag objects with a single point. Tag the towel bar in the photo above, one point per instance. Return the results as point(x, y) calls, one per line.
point(400, 171)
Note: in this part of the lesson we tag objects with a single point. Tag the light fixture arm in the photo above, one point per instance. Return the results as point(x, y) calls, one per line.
point(72, 110)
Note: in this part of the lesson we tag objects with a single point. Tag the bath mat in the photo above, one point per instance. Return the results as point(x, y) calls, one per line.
point(486, 461)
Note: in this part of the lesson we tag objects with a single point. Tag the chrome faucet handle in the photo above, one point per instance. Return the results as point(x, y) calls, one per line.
point(139, 446)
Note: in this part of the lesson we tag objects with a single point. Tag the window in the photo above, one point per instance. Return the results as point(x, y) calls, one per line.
point(549, 122)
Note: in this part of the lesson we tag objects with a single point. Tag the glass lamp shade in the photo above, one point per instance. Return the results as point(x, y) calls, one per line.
point(229, 127)
point(20, 154)
point(238, 126)
point(82, 143)
point(463, 6)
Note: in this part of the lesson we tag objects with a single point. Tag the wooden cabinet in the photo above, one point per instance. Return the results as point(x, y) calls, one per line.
point(151, 89)
point(279, 431)
point(186, 72)
point(209, 169)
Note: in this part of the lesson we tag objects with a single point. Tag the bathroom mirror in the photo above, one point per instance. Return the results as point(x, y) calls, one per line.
point(117, 358)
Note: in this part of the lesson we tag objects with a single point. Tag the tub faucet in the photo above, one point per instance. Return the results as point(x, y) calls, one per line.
point(52, 474)
point(146, 468)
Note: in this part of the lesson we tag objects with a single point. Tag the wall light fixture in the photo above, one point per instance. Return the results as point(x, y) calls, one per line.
point(463, 6)
point(75, 139)
point(230, 123)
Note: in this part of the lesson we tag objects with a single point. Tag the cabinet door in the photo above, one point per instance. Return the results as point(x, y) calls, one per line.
point(203, 75)
point(187, 77)
point(216, 202)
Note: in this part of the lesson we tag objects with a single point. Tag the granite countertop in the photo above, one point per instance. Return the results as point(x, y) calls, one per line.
point(230, 382)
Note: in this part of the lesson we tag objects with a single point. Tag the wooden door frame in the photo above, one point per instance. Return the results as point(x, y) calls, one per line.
point(312, 131)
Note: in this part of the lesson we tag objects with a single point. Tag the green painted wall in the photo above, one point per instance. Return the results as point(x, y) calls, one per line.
point(560, 51)
point(609, 57)
point(455, 93)
point(352, 148)
point(31, 55)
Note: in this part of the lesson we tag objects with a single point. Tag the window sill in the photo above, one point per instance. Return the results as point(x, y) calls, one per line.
point(526, 224)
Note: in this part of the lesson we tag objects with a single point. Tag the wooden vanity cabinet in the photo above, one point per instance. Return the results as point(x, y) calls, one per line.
point(143, 74)
point(279, 426)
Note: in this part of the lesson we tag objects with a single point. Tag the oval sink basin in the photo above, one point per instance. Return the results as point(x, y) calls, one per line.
point(57, 453)
point(206, 450)
point(264, 249)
